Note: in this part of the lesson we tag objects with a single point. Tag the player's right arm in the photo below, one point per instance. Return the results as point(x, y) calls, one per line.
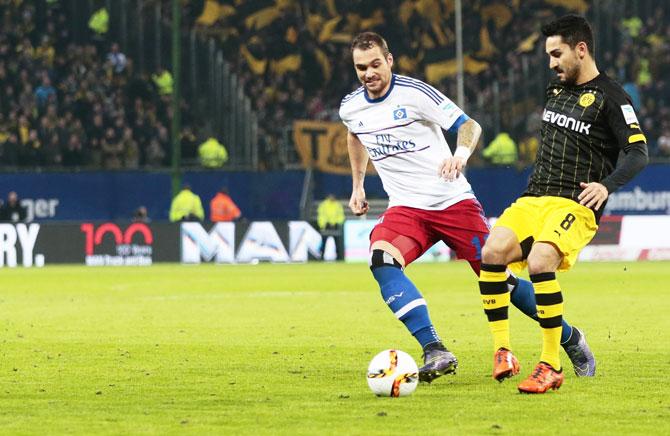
point(358, 157)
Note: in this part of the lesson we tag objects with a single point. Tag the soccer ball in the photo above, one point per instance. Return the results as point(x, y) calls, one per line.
point(392, 373)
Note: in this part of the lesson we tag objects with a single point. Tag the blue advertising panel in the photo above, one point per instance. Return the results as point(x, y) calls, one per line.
point(647, 194)
point(497, 187)
point(114, 195)
point(94, 195)
point(107, 195)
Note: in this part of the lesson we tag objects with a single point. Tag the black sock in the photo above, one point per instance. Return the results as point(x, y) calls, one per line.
point(434, 346)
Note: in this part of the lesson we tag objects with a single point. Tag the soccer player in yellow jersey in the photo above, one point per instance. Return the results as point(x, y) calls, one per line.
point(588, 120)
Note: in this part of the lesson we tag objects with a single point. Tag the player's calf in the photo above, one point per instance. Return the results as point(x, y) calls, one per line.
point(402, 297)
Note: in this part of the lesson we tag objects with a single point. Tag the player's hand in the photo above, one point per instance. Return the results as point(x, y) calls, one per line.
point(593, 195)
point(451, 168)
point(358, 204)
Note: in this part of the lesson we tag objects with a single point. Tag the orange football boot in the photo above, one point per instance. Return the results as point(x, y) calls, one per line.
point(505, 365)
point(543, 378)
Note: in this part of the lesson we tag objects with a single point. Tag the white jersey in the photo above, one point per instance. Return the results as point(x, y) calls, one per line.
point(402, 133)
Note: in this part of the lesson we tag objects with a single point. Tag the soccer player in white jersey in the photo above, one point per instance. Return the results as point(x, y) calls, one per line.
point(397, 122)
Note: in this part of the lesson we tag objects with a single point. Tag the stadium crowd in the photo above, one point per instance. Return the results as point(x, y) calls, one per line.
point(293, 56)
point(73, 104)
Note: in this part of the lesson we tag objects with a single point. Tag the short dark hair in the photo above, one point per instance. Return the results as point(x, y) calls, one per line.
point(573, 29)
point(368, 40)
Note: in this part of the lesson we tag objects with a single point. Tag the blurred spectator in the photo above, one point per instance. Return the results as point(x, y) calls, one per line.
point(99, 22)
point(12, 211)
point(632, 26)
point(330, 214)
point(45, 92)
point(212, 153)
point(528, 149)
point(131, 151)
point(155, 154)
point(10, 149)
point(116, 59)
point(634, 93)
point(73, 155)
point(141, 215)
point(45, 52)
point(112, 150)
point(163, 81)
point(96, 135)
point(222, 208)
point(32, 152)
point(330, 218)
point(189, 143)
point(502, 150)
point(663, 142)
point(186, 206)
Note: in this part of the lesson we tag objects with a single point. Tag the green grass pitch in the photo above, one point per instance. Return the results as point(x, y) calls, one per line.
point(283, 349)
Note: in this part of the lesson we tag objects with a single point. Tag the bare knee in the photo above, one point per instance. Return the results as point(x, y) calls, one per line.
point(501, 248)
point(390, 249)
point(543, 258)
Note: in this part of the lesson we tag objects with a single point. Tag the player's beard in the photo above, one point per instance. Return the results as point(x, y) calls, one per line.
point(378, 84)
point(570, 74)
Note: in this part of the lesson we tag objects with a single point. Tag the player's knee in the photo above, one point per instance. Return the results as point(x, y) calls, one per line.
point(543, 259)
point(537, 265)
point(379, 258)
point(495, 251)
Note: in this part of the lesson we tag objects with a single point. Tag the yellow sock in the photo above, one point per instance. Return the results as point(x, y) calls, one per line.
point(550, 313)
point(495, 299)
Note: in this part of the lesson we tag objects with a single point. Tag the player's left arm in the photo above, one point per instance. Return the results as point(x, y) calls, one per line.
point(440, 110)
point(625, 127)
point(466, 141)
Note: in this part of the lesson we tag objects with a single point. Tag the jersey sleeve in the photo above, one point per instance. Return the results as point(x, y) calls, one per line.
point(343, 118)
point(437, 108)
point(625, 127)
point(623, 121)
